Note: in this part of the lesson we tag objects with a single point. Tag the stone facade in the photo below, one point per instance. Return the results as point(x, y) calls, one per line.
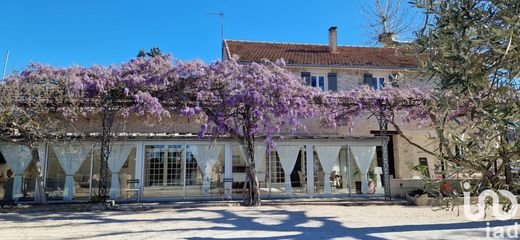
point(405, 155)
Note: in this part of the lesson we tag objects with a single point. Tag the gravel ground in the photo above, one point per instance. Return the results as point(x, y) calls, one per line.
point(271, 222)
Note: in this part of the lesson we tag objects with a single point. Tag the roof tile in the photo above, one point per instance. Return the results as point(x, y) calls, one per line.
point(315, 54)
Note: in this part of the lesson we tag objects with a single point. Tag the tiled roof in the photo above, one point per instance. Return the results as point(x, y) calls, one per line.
point(314, 54)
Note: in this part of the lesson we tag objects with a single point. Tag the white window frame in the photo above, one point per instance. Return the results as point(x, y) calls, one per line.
point(325, 81)
point(378, 83)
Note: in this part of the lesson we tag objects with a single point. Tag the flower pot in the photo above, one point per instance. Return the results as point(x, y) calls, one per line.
point(421, 200)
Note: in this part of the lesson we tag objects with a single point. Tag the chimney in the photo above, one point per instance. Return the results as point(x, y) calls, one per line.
point(333, 39)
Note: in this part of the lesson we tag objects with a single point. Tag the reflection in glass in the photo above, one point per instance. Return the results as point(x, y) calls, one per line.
point(205, 170)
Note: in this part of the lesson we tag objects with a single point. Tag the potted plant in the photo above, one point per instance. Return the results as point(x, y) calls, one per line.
point(419, 197)
point(371, 182)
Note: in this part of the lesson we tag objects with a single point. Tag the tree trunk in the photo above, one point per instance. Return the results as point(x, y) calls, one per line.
point(39, 180)
point(251, 187)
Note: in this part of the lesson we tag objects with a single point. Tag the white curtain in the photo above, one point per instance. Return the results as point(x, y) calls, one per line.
point(71, 156)
point(206, 157)
point(18, 157)
point(363, 156)
point(328, 155)
point(288, 156)
point(117, 158)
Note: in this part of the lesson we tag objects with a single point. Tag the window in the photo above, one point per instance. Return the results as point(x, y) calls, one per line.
point(325, 83)
point(374, 82)
point(192, 170)
point(276, 168)
point(163, 165)
point(318, 81)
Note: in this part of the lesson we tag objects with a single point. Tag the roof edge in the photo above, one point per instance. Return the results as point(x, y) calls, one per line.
point(342, 66)
point(310, 44)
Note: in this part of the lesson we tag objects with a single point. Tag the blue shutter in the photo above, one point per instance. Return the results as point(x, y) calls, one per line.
point(381, 83)
point(369, 80)
point(307, 77)
point(333, 81)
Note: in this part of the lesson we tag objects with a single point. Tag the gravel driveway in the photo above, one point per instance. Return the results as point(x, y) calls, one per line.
point(271, 222)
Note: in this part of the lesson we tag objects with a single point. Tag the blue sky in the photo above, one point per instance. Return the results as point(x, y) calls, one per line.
point(65, 32)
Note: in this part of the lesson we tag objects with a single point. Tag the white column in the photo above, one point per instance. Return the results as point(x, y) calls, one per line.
point(139, 168)
point(228, 170)
point(310, 169)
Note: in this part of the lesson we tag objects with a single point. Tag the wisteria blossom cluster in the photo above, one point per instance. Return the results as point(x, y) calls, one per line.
point(244, 101)
point(253, 99)
point(342, 108)
point(230, 98)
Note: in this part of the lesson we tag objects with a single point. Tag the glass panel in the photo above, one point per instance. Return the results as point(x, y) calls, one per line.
point(196, 185)
point(313, 81)
point(163, 171)
point(5, 177)
point(321, 82)
point(55, 182)
point(338, 178)
point(375, 185)
point(239, 168)
point(7, 180)
point(276, 172)
point(127, 172)
point(82, 179)
point(318, 175)
point(381, 83)
point(298, 175)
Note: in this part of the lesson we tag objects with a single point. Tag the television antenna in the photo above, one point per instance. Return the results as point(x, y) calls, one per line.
point(5, 64)
point(221, 17)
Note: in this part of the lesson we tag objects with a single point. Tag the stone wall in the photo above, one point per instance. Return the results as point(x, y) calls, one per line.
point(352, 78)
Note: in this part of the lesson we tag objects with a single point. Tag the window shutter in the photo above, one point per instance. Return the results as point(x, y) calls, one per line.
point(307, 77)
point(381, 82)
point(332, 81)
point(369, 80)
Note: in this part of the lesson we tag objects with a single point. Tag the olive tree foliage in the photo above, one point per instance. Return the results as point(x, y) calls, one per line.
point(36, 107)
point(471, 50)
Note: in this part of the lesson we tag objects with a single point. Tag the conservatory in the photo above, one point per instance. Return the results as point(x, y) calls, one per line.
point(153, 169)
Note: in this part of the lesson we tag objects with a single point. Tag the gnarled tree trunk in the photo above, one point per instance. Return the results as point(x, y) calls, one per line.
point(251, 187)
point(39, 180)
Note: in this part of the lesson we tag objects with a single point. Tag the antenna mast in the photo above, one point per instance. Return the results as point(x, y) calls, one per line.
point(5, 64)
point(220, 14)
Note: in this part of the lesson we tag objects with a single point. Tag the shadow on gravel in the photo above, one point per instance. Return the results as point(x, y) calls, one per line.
point(292, 224)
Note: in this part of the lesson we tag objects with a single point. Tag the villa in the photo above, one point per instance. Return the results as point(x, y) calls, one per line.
point(169, 162)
